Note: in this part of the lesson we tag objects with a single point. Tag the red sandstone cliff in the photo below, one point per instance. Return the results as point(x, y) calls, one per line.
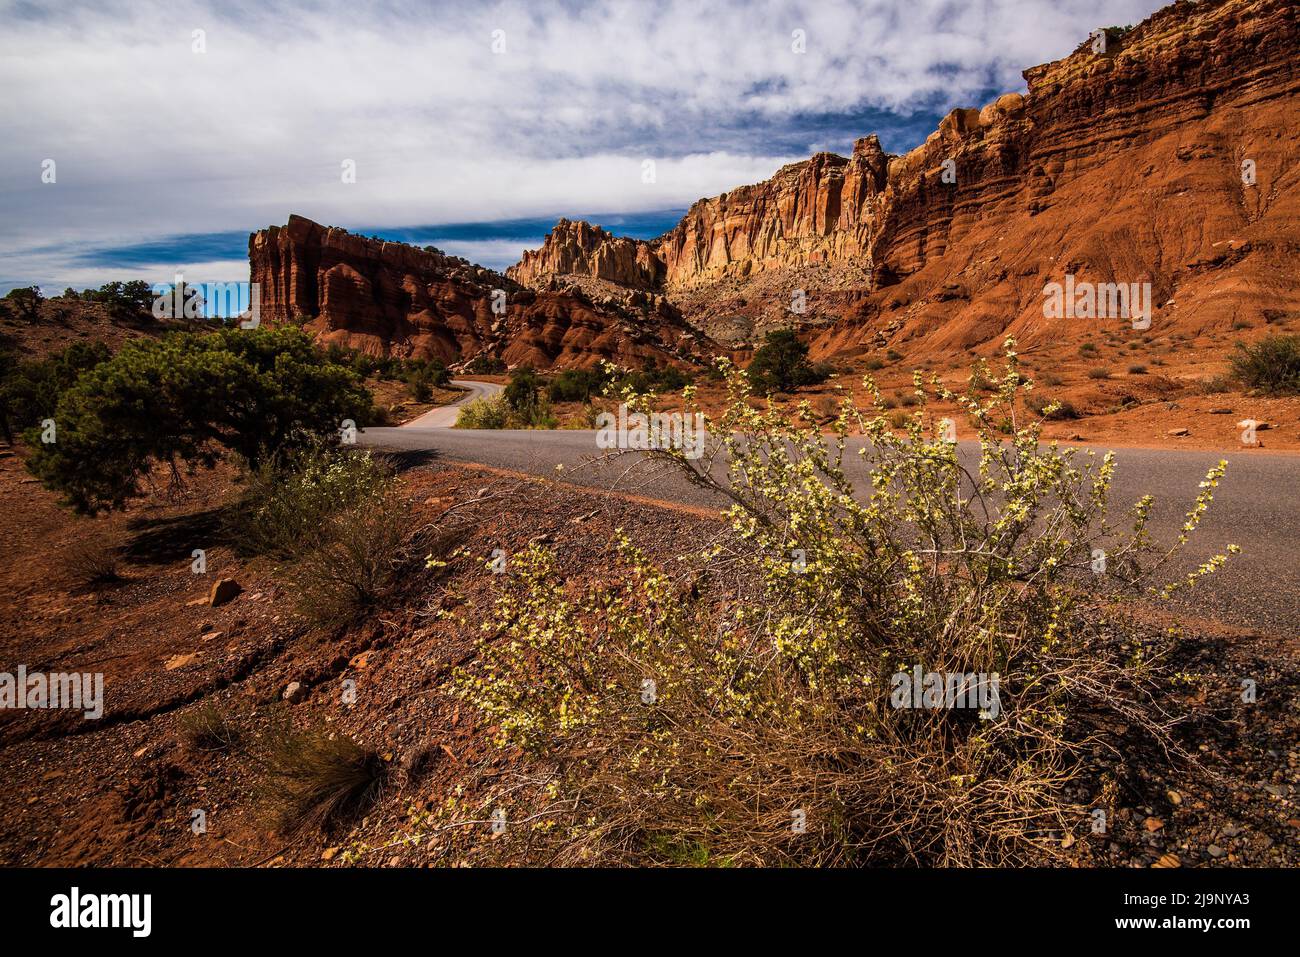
point(385, 297)
point(1116, 167)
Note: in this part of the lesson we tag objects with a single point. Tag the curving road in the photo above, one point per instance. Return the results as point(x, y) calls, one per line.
point(444, 417)
point(1257, 505)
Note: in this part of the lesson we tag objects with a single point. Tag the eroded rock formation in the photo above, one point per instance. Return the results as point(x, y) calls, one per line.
point(581, 249)
point(391, 298)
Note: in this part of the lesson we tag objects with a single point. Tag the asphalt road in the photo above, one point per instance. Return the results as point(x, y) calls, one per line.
point(1256, 506)
point(444, 417)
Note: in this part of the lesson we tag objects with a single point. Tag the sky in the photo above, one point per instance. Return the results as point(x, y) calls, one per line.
point(146, 138)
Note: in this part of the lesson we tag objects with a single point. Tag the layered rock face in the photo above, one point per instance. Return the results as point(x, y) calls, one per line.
point(391, 298)
point(580, 249)
point(1122, 165)
point(822, 209)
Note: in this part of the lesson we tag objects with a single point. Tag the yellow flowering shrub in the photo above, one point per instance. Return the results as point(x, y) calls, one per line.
point(733, 706)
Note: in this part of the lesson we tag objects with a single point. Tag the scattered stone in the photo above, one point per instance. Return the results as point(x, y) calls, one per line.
point(1068, 842)
point(1174, 797)
point(180, 661)
point(1215, 851)
point(1179, 431)
point(1221, 411)
point(293, 692)
point(223, 590)
point(1153, 823)
point(329, 853)
point(1168, 860)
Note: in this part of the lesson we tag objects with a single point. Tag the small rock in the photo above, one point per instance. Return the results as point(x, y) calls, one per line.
point(293, 692)
point(1174, 797)
point(1153, 823)
point(1168, 860)
point(329, 853)
point(1221, 411)
point(1068, 842)
point(179, 661)
point(1179, 431)
point(223, 590)
point(1215, 851)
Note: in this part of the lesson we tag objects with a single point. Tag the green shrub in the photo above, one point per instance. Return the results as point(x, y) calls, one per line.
point(578, 385)
point(1098, 372)
point(679, 725)
point(1048, 408)
point(781, 364)
point(30, 391)
point(424, 376)
point(181, 398)
point(1137, 369)
point(1271, 365)
point(484, 364)
point(491, 413)
point(126, 301)
point(529, 407)
point(24, 303)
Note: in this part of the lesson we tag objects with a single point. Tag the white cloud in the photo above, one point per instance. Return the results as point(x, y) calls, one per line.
point(152, 139)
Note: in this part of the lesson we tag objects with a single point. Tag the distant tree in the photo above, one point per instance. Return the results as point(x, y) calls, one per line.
point(181, 399)
point(483, 364)
point(423, 376)
point(25, 302)
point(781, 364)
point(521, 391)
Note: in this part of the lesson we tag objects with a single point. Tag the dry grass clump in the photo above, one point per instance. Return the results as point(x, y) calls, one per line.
point(317, 780)
point(334, 519)
point(208, 728)
point(93, 563)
